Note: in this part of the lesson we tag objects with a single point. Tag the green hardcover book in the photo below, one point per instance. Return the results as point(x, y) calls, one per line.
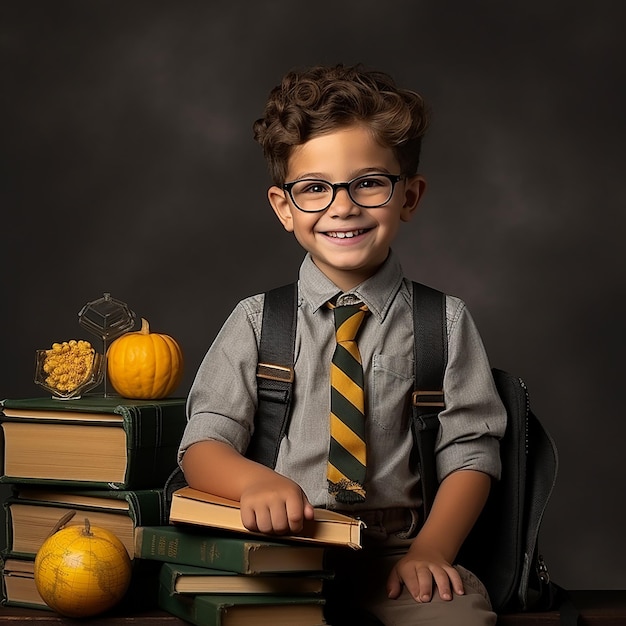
point(32, 512)
point(241, 610)
point(91, 442)
point(18, 585)
point(234, 553)
point(199, 580)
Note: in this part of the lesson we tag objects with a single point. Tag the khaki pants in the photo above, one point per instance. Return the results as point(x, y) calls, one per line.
point(357, 595)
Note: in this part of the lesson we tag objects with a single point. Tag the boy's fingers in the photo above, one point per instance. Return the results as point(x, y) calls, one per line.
point(309, 511)
point(248, 518)
point(456, 581)
point(409, 576)
point(425, 591)
point(279, 521)
point(264, 522)
point(443, 584)
point(394, 585)
point(294, 515)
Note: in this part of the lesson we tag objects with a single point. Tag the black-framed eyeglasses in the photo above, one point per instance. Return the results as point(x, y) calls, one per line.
point(369, 191)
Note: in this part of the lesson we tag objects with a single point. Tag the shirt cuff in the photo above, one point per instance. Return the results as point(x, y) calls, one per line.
point(482, 455)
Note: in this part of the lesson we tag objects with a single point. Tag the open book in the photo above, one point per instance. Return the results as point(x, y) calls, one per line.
point(191, 506)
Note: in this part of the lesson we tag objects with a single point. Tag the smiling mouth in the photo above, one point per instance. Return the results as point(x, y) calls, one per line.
point(347, 234)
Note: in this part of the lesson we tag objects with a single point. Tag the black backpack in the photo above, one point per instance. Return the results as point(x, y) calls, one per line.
point(502, 549)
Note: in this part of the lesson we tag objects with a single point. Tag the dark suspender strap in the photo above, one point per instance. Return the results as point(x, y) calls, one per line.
point(274, 373)
point(431, 354)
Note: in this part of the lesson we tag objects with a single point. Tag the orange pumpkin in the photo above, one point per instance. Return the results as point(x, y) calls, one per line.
point(144, 366)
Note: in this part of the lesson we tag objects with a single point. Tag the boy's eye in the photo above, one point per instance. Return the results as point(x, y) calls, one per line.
point(314, 187)
point(371, 182)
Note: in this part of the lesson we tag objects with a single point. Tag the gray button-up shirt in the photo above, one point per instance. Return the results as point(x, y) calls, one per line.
point(223, 399)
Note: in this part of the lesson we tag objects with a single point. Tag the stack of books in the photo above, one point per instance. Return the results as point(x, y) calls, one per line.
point(105, 458)
point(214, 571)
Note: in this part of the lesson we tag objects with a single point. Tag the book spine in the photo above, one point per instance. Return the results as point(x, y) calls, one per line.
point(147, 507)
point(168, 575)
point(153, 433)
point(170, 544)
point(8, 531)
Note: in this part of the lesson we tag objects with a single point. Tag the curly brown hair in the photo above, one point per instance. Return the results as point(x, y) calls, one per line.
point(321, 99)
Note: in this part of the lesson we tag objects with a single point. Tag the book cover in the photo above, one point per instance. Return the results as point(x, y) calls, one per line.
point(191, 579)
point(97, 442)
point(205, 547)
point(240, 610)
point(32, 513)
point(191, 506)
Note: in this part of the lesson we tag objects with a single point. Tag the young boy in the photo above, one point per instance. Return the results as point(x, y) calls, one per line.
point(342, 145)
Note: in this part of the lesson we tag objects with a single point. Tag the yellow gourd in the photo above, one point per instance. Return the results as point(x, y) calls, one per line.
point(82, 571)
point(144, 366)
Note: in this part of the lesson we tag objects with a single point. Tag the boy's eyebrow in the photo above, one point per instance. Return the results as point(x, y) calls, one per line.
point(317, 175)
point(355, 174)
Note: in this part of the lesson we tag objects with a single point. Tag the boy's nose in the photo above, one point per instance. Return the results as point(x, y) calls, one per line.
point(343, 204)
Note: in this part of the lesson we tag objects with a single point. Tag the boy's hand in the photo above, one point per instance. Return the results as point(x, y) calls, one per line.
point(417, 572)
point(276, 505)
point(457, 505)
point(269, 502)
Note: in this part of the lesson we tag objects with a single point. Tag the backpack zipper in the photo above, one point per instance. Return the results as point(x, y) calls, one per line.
point(542, 570)
point(526, 412)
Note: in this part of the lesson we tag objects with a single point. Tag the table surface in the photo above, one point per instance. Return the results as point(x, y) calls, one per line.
point(601, 607)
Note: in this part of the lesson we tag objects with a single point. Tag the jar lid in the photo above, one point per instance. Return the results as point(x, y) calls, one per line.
point(106, 317)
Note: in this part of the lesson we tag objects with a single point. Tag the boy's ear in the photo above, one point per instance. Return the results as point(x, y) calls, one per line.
point(414, 188)
point(281, 206)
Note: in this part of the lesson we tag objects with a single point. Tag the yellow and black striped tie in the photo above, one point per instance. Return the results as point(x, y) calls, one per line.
point(347, 457)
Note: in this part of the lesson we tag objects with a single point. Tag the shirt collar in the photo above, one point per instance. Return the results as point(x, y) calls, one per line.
point(377, 292)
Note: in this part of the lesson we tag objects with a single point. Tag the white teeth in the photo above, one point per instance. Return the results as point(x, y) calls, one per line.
point(344, 235)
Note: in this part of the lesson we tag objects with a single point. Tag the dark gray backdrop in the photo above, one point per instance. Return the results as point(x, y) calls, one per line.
point(129, 168)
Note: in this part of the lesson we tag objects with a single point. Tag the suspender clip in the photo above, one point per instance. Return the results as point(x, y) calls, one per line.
point(275, 372)
point(429, 398)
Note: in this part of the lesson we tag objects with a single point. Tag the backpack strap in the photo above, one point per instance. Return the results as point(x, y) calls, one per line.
point(275, 373)
point(274, 382)
point(430, 341)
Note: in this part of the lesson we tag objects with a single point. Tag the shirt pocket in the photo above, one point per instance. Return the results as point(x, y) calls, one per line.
point(391, 387)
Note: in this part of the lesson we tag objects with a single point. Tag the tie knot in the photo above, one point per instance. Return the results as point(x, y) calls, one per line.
point(348, 320)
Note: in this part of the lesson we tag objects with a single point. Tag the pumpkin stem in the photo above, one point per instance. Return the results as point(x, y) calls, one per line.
point(87, 530)
point(145, 327)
